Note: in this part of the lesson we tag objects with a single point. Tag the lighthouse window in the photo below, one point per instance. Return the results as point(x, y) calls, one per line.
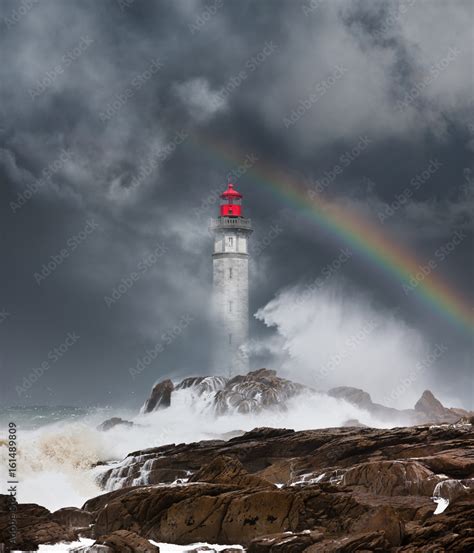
point(230, 339)
point(230, 241)
point(230, 273)
point(230, 307)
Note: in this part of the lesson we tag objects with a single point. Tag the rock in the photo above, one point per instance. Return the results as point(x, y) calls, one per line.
point(72, 518)
point(368, 542)
point(457, 463)
point(284, 543)
point(228, 470)
point(34, 526)
point(212, 513)
point(123, 541)
point(264, 389)
point(429, 404)
point(450, 531)
point(389, 478)
point(352, 395)
point(160, 397)
point(111, 423)
point(255, 391)
point(383, 518)
point(434, 410)
point(234, 517)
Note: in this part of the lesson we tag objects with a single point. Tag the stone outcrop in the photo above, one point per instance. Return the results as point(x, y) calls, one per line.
point(248, 393)
point(434, 410)
point(264, 389)
point(73, 518)
point(160, 397)
point(274, 490)
point(340, 489)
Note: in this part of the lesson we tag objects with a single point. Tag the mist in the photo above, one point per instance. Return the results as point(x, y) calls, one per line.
point(338, 336)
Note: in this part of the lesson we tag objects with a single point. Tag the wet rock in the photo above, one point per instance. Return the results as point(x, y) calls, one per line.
point(34, 526)
point(160, 397)
point(355, 489)
point(124, 541)
point(72, 518)
point(112, 423)
point(256, 391)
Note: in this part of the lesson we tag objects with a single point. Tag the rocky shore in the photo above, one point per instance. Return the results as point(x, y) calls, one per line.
point(276, 490)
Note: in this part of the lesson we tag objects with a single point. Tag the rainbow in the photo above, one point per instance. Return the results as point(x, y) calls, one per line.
point(367, 239)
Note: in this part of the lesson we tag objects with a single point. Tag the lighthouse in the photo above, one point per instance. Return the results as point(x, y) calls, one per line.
point(230, 260)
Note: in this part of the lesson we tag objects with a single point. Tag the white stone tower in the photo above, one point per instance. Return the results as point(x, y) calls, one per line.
point(231, 285)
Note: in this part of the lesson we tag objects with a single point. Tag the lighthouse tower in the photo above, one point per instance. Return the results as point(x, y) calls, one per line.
point(231, 284)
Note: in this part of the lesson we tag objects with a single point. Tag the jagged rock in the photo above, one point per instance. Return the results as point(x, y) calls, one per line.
point(160, 396)
point(255, 391)
point(264, 389)
point(111, 423)
point(248, 393)
point(434, 410)
point(203, 384)
point(430, 405)
point(228, 470)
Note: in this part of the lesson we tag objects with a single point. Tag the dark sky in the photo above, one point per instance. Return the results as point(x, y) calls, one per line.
point(126, 107)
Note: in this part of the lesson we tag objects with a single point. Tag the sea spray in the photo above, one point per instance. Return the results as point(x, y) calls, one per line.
point(60, 464)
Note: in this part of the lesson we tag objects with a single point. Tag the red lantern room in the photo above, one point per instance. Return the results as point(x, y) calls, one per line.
point(231, 203)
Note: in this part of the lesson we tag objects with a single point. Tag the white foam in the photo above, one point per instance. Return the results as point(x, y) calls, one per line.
point(55, 461)
point(64, 547)
point(170, 548)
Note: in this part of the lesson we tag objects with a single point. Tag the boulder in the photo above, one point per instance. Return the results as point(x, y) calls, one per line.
point(113, 422)
point(73, 518)
point(34, 526)
point(160, 396)
point(124, 541)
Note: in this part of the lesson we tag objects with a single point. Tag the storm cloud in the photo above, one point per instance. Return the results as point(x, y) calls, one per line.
point(115, 122)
